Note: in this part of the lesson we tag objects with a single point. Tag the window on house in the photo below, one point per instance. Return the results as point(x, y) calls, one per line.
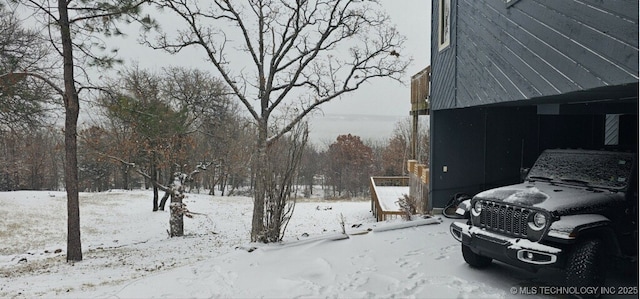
point(611, 129)
point(444, 24)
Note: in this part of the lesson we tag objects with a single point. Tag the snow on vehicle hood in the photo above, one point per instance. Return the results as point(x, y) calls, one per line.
point(560, 199)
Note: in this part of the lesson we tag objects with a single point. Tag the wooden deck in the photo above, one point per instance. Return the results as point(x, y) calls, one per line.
point(385, 193)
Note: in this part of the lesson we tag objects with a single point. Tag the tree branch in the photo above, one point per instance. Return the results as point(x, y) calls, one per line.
point(6, 79)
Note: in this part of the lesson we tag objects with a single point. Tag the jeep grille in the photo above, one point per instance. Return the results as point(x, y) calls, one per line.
point(504, 219)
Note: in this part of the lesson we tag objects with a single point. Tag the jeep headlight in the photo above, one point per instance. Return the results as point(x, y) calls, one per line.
point(539, 221)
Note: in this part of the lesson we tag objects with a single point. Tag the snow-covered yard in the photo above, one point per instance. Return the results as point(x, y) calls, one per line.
point(128, 254)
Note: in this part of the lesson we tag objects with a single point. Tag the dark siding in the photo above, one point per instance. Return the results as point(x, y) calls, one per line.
point(602, 58)
point(443, 67)
point(628, 136)
point(535, 48)
point(481, 147)
point(512, 143)
point(487, 72)
point(571, 131)
point(457, 140)
point(612, 20)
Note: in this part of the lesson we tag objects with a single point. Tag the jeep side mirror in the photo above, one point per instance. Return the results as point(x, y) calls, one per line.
point(523, 173)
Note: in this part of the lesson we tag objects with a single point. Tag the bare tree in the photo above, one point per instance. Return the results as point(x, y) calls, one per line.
point(350, 165)
point(394, 156)
point(310, 166)
point(94, 169)
point(176, 189)
point(290, 54)
point(212, 116)
point(284, 158)
point(29, 159)
point(402, 133)
point(226, 139)
point(73, 27)
point(157, 126)
point(162, 113)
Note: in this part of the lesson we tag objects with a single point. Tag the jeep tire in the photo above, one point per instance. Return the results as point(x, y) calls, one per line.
point(585, 264)
point(474, 260)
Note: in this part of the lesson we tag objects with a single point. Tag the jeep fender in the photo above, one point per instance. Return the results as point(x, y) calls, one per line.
point(573, 227)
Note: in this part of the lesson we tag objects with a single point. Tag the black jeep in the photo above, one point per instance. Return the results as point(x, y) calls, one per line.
point(576, 210)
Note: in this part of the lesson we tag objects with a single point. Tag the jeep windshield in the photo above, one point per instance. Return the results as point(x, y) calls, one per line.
point(595, 169)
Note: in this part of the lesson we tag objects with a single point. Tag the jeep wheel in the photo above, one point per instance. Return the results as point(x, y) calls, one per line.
point(473, 259)
point(585, 266)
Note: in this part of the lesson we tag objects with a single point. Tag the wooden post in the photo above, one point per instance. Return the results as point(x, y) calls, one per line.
point(424, 178)
point(419, 106)
point(414, 136)
point(411, 164)
point(419, 188)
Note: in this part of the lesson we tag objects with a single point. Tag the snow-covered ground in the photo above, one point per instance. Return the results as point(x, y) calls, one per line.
point(128, 254)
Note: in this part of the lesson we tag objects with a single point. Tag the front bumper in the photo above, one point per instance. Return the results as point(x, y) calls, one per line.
point(515, 251)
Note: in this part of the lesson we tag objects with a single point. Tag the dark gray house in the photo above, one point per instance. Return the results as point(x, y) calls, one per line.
point(511, 78)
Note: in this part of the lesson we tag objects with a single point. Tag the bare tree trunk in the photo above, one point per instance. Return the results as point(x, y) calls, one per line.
point(177, 207)
point(176, 221)
point(154, 175)
point(124, 171)
point(212, 184)
point(224, 181)
point(72, 108)
point(155, 199)
point(257, 222)
point(163, 201)
point(274, 185)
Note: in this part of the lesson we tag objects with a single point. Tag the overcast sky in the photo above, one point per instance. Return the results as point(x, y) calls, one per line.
point(379, 97)
point(386, 97)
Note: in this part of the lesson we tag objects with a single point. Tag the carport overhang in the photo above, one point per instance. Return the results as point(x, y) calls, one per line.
point(480, 147)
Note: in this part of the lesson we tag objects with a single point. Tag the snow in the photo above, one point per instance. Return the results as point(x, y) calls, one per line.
point(511, 243)
point(529, 197)
point(526, 244)
point(563, 227)
point(128, 254)
point(388, 196)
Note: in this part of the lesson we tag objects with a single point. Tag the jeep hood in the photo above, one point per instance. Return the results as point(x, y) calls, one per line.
point(559, 199)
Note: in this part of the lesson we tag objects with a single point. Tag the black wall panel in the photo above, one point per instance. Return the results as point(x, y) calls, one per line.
point(571, 131)
point(481, 148)
point(457, 138)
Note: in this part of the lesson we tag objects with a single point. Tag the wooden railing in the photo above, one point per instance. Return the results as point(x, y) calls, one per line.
point(416, 185)
point(382, 211)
